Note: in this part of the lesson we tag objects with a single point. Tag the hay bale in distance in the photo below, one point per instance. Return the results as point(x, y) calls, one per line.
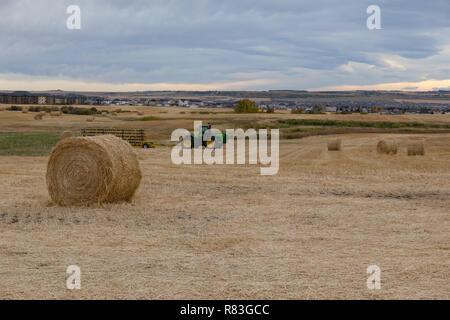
point(140, 113)
point(42, 112)
point(104, 113)
point(55, 113)
point(114, 114)
point(416, 148)
point(387, 147)
point(38, 116)
point(334, 145)
point(88, 170)
point(66, 134)
point(24, 110)
point(90, 119)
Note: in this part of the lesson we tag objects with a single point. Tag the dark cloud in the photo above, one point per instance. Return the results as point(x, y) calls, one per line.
point(202, 41)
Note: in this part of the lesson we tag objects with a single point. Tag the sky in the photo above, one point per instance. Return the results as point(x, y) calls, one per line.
point(224, 45)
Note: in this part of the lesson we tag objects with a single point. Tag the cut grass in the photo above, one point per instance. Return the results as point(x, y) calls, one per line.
point(300, 128)
point(27, 144)
point(147, 118)
point(359, 124)
point(307, 132)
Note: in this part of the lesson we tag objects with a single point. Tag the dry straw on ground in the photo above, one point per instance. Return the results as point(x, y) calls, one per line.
point(416, 148)
point(334, 145)
point(387, 147)
point(66, 134)
point(87, 170)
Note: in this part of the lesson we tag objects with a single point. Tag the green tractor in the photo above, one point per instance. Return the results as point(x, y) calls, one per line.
point(217, 139)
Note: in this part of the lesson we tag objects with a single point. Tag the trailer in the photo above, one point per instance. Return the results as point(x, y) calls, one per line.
point(135, 137)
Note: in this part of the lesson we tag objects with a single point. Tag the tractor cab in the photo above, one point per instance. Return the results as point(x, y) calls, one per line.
point(205, 127)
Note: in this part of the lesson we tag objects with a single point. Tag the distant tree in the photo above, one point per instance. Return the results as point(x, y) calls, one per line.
point(246, 106)
point(14, 108)
point(79, 111)
point(297, 111)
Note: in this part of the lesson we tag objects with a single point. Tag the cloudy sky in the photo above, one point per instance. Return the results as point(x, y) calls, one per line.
point(225, 45)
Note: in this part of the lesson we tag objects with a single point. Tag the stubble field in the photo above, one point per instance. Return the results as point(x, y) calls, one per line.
point(226, 232)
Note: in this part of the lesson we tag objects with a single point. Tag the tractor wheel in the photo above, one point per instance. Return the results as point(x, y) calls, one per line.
point(215, 143)
point(211, 144)
point(188, 142)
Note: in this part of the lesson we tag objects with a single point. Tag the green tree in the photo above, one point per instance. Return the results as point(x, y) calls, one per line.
point(246, 106)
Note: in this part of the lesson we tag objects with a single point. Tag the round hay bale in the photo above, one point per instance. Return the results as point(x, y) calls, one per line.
point(334, 145)
point(104, 113)
point(25, 111)
point(38, 116)
point(387, 147)
point(416, 148)
point(140, 113)
point(55, 113)
point(114, 114)
point(42, 112)
point(88, 170)
point(90, 119)
point(66, 134)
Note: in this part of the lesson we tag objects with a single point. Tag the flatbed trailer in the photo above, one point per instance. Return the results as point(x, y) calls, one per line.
point(135, 137)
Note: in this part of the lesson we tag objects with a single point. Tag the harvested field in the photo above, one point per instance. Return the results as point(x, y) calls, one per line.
point(334, 145)
point(66, 134)
point(226, 232)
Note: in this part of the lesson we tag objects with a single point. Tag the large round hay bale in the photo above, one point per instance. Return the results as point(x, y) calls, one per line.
point(88, 170)
point(38, 116)
point(416, 148)
point(24, 110)
point(90, 119)
point(334, 145)
point(66, 134)
point(42, 112)
point(55, 113)
point(387, 147)
point(104, 113)
point(140, 113)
